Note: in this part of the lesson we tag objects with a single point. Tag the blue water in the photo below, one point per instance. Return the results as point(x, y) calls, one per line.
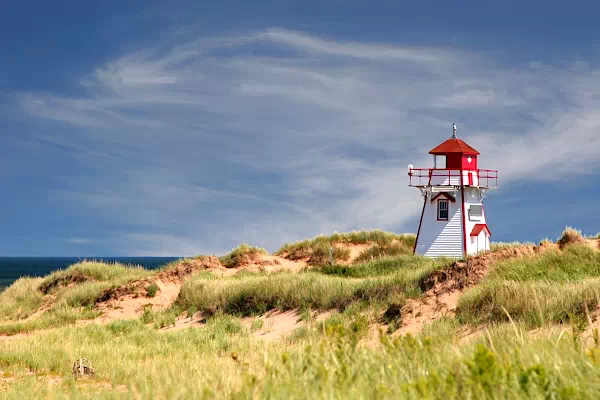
point(12, 268)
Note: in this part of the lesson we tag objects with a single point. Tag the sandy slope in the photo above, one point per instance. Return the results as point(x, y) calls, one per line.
point(444, 288)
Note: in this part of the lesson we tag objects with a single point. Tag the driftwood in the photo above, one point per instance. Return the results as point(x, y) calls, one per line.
point(82, 368)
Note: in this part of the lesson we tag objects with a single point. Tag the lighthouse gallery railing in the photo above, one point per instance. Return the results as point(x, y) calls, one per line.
point(451, 177)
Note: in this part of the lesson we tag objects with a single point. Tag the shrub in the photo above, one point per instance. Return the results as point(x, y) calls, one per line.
point(151, 290)
point(570, 236)
point(234, 258)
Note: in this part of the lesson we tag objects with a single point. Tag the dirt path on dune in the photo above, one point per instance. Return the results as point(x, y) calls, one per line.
point(443, 288)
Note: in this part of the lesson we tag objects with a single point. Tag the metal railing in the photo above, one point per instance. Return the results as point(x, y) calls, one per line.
point(452, 177)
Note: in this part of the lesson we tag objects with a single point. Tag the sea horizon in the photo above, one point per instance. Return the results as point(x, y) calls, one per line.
point(15, 267)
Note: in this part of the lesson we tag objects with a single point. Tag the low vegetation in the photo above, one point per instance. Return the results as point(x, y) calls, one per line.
point(553, 286)
point(521, 331)
point(324, 289)
point(242, 253)
point(495, 246)
point(570, 236)
point(316, 250)
point(326, 361)
point(384, 250)
point(68, 295)
point(21, 299)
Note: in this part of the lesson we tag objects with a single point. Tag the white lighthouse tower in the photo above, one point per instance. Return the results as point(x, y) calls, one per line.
point(453, 219)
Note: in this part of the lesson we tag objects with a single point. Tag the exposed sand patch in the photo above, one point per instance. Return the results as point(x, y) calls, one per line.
point(274, 325)
point(355, 250)
point(132, 306)
point(186, 322)
point(269, 263)
point(443, 288)
point(130, 300)
point(593, 243)
point(277, 324)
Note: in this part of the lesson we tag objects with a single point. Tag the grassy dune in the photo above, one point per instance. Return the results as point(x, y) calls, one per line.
point(553, 286)
point(221, 361)
point(317, 249)
point(72, 292)
point(235, 256)
point(323, 289)
point(527, 315)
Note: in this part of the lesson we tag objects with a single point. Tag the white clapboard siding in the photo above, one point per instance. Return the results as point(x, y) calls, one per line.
point(441, 238)
point(472, 197)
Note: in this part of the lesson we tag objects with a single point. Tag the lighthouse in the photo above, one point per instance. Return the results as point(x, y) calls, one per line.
point(453, 220)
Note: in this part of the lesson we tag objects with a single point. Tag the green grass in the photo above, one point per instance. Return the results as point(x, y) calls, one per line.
point(549, 287)
point(151, 290)
point(70, 294)
point(428, 368)
point(384, 250)
point(317, 249)
point(21, 299)
point(325, 359)
point(236, 256)
point(222, 361)
point(495, 246)
point(55, 317)
point(384, 266)
point(573, 263)
point(112, 273)
point(257, 294)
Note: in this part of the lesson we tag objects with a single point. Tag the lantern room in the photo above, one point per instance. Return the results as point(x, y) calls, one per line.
point(454, 154)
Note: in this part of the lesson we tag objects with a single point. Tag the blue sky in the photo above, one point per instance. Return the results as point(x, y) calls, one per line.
point(180, 128)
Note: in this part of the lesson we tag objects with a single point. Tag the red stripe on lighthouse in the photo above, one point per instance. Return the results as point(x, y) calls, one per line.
point(464, 229)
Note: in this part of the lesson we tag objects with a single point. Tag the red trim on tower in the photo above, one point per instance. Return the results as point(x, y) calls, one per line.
point(478, 228)
point(446, 195)
point(464, 229)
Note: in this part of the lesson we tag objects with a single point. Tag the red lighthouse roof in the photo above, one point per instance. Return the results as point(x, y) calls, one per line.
point(454, 145)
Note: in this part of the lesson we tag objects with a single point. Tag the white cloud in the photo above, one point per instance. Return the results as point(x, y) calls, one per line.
point(279, 134)
point(78, 240)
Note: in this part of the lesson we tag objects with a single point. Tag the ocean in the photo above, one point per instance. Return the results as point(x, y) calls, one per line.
point(12, 268)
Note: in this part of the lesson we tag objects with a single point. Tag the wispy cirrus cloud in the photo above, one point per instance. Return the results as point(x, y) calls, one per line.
point(277, 135)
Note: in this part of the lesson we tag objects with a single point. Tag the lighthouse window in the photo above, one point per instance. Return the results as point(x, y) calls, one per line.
point(442, 210)
point(475, 212)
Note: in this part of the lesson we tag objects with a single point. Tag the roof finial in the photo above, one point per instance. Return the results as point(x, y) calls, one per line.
point(453, 131)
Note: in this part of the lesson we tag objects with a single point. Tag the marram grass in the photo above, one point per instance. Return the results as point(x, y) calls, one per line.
point(529, 314)
point(222, 361)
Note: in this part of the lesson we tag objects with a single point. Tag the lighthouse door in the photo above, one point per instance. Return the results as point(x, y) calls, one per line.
point(471, 179)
